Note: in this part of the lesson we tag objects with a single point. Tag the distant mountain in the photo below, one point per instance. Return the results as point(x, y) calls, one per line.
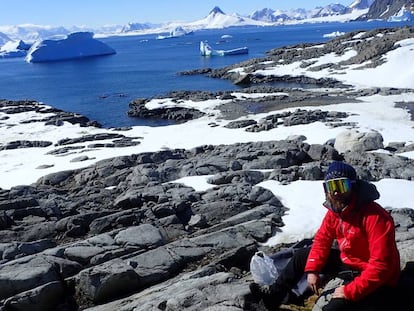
point(3, 38)
point(402, 15)
point(265, 15)
point(332, 9)
point(386, 9)
point(136, 26)
point(29, 32)
point(216, 10)
point(361, 4)
point(278, 16)
point(394, 10)
point(218, 19)
point(299, 14)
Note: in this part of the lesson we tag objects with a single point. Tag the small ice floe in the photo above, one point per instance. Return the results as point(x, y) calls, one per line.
point(334, 34)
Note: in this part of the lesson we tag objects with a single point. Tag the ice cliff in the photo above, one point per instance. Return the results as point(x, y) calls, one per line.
point(74, 46)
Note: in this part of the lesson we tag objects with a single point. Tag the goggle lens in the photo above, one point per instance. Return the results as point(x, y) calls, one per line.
point(340, 185)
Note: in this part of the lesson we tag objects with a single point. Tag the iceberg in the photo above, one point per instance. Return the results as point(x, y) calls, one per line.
point(207, 50)
point(334, 34)
point(175, 33)
point(75, 46)
point(14, 49)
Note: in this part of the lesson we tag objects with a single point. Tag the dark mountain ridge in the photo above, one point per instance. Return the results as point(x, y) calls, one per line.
point(383, 9)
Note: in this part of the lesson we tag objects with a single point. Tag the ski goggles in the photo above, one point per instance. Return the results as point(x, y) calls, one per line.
point(338, 185)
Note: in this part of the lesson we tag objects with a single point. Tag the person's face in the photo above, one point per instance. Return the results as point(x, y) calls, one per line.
point(339, 200)
point(338, 192)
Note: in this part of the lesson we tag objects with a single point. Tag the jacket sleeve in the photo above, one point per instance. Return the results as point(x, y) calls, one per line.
point(383, 257)
point(321, 246)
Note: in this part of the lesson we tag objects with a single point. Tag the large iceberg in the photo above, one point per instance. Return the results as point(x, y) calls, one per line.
point(175, 33)
point(74, 46)
point(207, 50)
point(14, 49)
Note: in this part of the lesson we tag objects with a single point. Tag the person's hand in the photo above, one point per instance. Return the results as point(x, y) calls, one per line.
point(339, 292)
point(313, 281)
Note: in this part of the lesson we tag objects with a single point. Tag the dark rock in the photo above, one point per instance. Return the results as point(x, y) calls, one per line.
point(25, 144)
point(43, 298)
point(137, 109)
point(55, 178)
point(94, 137)
point(16, 250)
point(253, 177)
point(107, 281)
point(5, 220)
point(80, 159)
point(122, 234)
point(24, 274)
point(383, 9)
point(44, 166)
point(240, 124)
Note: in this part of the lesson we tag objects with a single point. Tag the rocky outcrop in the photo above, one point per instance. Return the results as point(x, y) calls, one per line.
point(122, 234)
point(52, 116)
point(121, 228)
point(178, 114)
point(383, 9)
point(24, 144)
point(370, 47)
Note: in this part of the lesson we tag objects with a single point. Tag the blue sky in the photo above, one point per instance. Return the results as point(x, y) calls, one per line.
point(104, 12)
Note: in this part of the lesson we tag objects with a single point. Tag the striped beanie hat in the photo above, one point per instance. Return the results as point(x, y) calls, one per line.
point(339, 169)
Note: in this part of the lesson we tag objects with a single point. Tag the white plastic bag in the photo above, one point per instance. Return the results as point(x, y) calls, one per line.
point(263, 269)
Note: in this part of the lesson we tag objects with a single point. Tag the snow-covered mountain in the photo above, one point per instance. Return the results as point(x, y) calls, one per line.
point(4, 38)
point(402, 15)
point(279, 16)
point(389, 9)
point(331, 9)
point(361, 4)
point(136, 27)
point(29, 32)
point(217, 19)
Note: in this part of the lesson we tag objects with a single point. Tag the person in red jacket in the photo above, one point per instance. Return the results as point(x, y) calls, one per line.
point(355, 242)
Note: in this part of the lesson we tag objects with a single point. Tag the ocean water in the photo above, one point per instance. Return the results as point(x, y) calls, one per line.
point(102, 87)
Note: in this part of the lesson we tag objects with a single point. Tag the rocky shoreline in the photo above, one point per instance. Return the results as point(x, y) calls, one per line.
point(121, 234)
point(119, 227)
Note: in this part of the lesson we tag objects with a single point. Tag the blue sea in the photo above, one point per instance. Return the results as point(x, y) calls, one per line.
point(102, 87)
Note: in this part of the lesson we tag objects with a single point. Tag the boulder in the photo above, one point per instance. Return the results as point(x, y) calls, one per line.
point(358, 142)
point(26, 273)
point(143, 236)
point(42, 298)
point(106, 281)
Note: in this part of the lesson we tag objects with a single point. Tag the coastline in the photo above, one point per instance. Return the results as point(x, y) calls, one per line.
point(132, 218)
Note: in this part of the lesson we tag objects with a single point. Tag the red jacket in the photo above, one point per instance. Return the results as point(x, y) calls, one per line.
point(366, 238)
